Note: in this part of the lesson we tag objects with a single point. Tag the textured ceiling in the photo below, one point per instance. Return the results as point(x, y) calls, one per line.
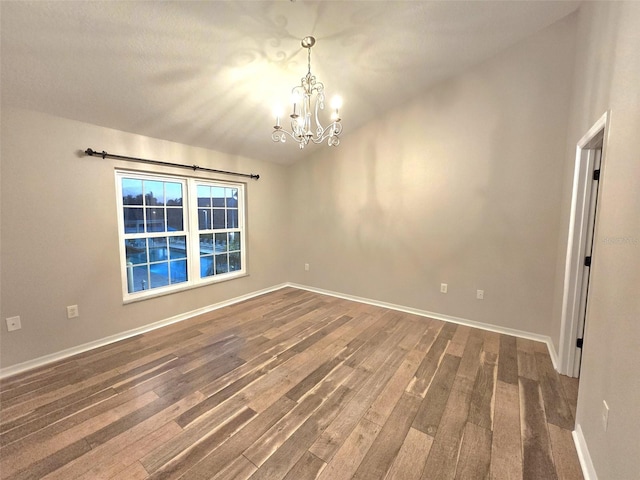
point(209, 73)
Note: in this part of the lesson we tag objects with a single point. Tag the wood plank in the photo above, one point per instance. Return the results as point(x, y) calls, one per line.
point(471, 357)
point(283, 459)
point(412, 456)
point(135, 471)
point(45, 444)
point(508, 360)
point(386, 446)
point(307, 468)
point(427, 369)
point(475, 453)
point(190, 456)
point(24, 427)
point(432, 407)
point(491, 342)
point(506, 444)
point(481, 409)
point(229, 391)
point(271, 440)
point(430, 335)
point(116, 445)
point(118, 465)
point(443, 456)
point(570, 388)
point(537, 460)
point(348, 457)
point(565, 456)
point(556, 407)
point(50, 463)
point(187, 437)
point(384, 404)
point(233, 448)
point(526, 359)
point(459, 341)
point(239, 469)
point(333, 437)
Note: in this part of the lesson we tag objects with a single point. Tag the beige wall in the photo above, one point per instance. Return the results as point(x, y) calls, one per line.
point(608, 78)
point(461, 186)
point(60, 241)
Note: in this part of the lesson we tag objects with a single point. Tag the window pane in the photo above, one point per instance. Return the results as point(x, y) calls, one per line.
point(206, 244)
point(157, 207)
point(234, 262)
point(218, 218)
point(232, 197)
point(218, 196)
point(153, 193)
point(234, 241)
point(221, 242)
point(131, 191)
point(133, 220)
point(137, 278)
point(206, 266)
point(136, 251)
point(159, 274)
point(204, 196)
point(177, 247)
point(174, 220)
point(178, 271)
point(158, 249)
point(155, 219)
point(232, 218)
point(173, 193)
point(222, 265)
point(204, 219)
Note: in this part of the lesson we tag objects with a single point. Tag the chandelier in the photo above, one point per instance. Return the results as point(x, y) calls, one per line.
point(308, 99)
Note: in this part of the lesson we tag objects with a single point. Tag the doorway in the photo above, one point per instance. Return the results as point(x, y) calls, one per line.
point(580, 251)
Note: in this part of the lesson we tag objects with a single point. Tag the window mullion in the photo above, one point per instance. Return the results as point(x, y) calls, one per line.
point(193, 236)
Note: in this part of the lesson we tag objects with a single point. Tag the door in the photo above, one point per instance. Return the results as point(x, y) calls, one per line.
point(595, 160)
point(590, 156)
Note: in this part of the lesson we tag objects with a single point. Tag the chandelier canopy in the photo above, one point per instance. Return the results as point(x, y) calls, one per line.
point(308, 100)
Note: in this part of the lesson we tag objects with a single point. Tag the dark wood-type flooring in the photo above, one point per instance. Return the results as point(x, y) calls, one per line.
point(295, 385)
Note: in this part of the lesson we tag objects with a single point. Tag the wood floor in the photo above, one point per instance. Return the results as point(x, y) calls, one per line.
point(295, 385)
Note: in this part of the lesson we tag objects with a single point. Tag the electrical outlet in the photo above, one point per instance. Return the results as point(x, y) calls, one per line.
point(443, 288)
point(480, 294)
point(72, 311)
point(306, 267)
point(605, 415)
point(13, 323)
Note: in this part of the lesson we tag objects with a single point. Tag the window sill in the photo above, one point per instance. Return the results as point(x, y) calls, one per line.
point(163, 292)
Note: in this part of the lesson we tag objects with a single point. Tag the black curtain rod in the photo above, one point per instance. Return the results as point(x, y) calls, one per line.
point(104, 154)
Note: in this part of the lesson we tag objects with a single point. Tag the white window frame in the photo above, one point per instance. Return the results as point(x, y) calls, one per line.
point(190, 230)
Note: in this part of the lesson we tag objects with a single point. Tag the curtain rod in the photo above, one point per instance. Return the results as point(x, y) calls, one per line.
point(104, 154)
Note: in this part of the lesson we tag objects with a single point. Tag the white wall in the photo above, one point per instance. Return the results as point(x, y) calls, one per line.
point(60, 241)
point(608, 78)
point(461, 186)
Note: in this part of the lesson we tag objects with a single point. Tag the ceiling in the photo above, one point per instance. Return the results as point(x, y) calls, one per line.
point(208, 73)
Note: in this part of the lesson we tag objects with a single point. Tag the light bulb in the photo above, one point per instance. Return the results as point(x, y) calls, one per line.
point(277, 112)
point(336, 102)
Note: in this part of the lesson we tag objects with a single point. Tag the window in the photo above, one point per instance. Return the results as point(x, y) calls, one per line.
point(177, 232)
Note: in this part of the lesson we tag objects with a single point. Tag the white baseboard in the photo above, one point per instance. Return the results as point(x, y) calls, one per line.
point(438, 316)
point(54, 357)
point(588, 471)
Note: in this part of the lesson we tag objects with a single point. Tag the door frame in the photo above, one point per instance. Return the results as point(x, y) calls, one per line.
point(581, 201)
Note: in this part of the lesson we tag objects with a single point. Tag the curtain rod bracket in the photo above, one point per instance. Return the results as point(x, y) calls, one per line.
point(90, 152)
